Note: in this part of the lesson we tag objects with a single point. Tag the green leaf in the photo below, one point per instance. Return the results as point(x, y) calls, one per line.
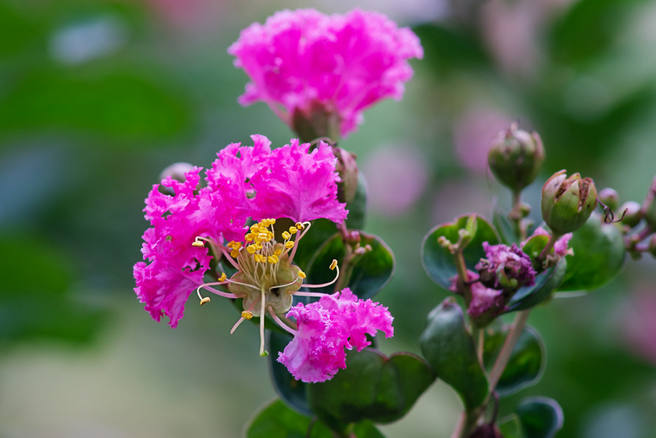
point(449, 349)
point(292, 391)
point(526, 361)
point(357, 208)
point(545, 283)
point(511, 427)
point(372, 387)
point(366, 273)
point(366, 429)
point(541, 417)
point(320, 232)
point(276, 420)
point(598, 255)
point(439, 262)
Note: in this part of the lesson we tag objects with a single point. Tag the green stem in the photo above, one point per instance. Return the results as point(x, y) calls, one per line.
point(480, 345)
point(553, 237)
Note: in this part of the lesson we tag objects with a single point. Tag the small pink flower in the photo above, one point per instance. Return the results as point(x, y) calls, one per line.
point(485, 301)
point(561, 247)
point(343, 63)
point(326, 328)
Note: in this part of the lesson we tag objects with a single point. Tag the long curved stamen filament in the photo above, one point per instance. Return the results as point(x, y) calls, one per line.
point(262, 317)
point(333, 267)
point(244, 316)
point(227, 256)
point(280, 322)
point(307, 226)
point(207, 287)
point(310, 294)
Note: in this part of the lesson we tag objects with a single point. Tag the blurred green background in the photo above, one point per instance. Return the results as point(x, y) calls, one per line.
point(96, 98)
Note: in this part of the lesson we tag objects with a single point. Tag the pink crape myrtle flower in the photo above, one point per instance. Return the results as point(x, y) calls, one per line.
point(244, 182)
point(328, 327)
point(304, 61)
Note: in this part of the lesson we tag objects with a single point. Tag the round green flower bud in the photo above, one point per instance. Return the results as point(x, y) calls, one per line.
point(649, 206)
point(633, 214)
point(567, 202)
point(516, 157)
point(610, 198)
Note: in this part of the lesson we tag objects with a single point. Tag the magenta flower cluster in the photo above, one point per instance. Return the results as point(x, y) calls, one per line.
point(505, 264)
point(326, 328)
point(302, 59)
point(243, 183)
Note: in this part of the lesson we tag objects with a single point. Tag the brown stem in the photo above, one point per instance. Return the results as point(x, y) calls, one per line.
point(461, 426)
point(463, 279)
point(508, 346)
point(480, 345)
point(553, 237)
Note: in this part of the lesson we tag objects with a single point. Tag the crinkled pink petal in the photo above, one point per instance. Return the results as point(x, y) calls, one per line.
point(327, 328)
point(299, 185)
point(485, 300)
point(345, 62)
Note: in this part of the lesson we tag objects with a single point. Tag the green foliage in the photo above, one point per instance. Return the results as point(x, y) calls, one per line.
point(598, 256)
point(276, 420)
point(526, 362)
point(540, 417)
point(439, 262)
point(449, 349)
point(292, 391)
point(545, 283)
point(504, 228)
point(372, 387)
point(365, 274)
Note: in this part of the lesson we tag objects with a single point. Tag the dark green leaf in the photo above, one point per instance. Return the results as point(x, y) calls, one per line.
point(449, 349)
point(357, 208)
point(541, 417)
point(366, 429)
point(366, 273)
point(292, 391)
point(277, 420)
point(372, 387)
point(598, 256)
point(545, 284)
point(320, 232)
point(526, 361)
point(439, 262)
point(511, 427)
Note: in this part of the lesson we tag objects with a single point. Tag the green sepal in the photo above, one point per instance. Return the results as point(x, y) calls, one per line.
point(449, 348)
point(438, 261)
point(372, 387)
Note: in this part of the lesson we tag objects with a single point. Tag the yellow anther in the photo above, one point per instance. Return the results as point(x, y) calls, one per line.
point(293, 230)
point(264, 237)
point(223, 277)
point(246, 314)
point(258, 246)
point(286, 235)
point(289, 244)
point(333, 265)
point(234, 253)
point(205, 300)
point(197, 243)
point(277, 251)
point(273, 259)
point(255, 227)
point(301, 274)
point(299, 225)
point(251, 249)
point(259, 258)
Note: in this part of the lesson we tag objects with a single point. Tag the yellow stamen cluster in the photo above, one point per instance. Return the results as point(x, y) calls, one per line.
point(234, 248)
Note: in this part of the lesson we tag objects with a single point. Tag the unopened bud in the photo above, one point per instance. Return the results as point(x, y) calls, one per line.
point(610, 198)
point(567, 202)
point(315, 121)
point(649, 206)
point(516, 157)
point(176, 171)
point(347, 168)
point(652, 245)
point(631, 213)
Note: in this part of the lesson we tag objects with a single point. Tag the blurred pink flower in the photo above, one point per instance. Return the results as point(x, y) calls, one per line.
point(639, 323)
point(396, 178)
point(326, 328)
point(303, 60)
point(473, 135)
